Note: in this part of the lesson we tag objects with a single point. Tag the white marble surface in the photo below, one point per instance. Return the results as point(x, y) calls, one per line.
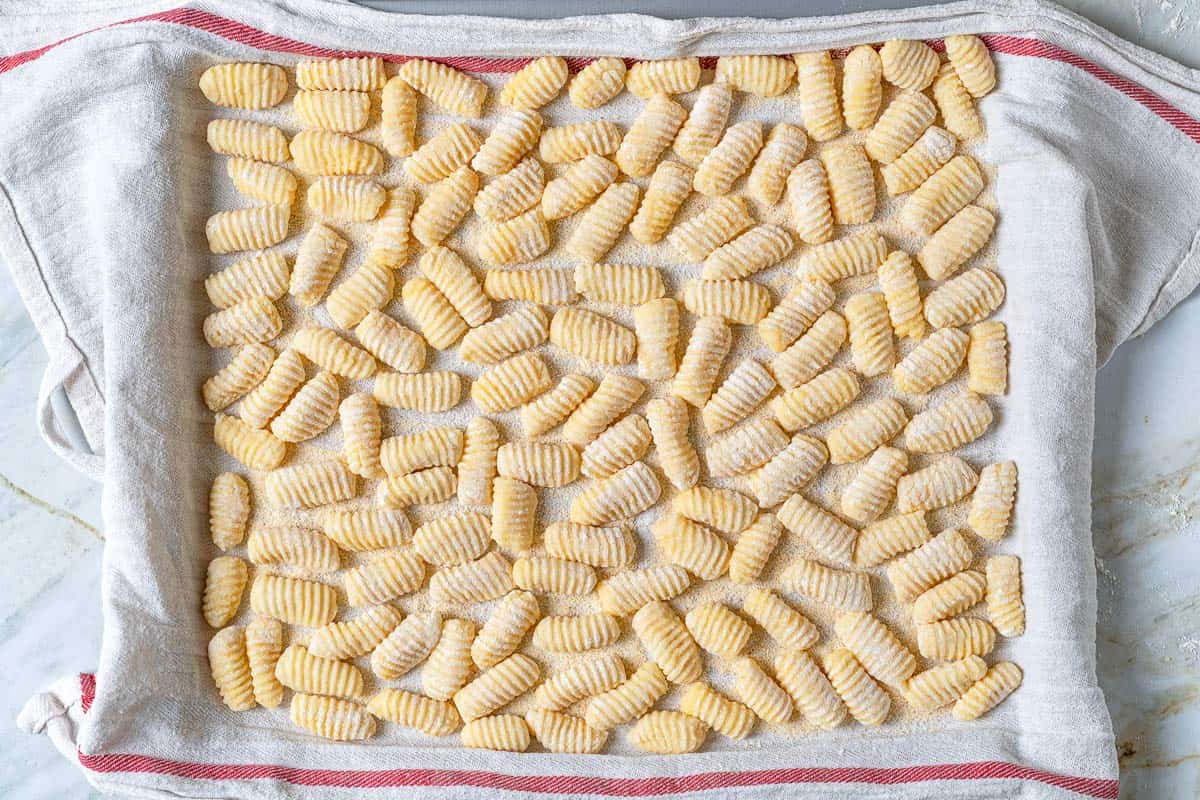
point(1146, 502)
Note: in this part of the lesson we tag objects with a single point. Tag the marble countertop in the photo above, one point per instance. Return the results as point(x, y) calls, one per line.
point(1146, 503)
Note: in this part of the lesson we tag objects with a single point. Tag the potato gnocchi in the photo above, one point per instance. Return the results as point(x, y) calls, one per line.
point(816, 469)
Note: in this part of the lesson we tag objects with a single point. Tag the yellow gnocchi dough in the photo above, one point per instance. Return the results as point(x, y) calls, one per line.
point(754, 548)
point(729, 159)
point(423, 487)
point(436, 317)
point(245, 139)
point(511, 383)
point(941, 483)
point(620, 284)
point(972, 63)
point(846, 591)
point(301, 671)
point(384, 577)
point(718, 630)
point(956, 422)
point(810, 202)
point(502, 632)
point(307, 550)
point(331, 717)
point(872, 490)
point(601, 225)
point(536, 83)
point(789, 470)
point(551, 409)
point(580, 681)
point(329, 153)
point(876, 648)
point(496, 687)
point(398, 117)
point(628, 700)
point(223, 586)
point(851, 183)
point(935, 147)
point(649, 136)
point(447, 203)
point(782, 151)
point(816, 400)
point(759, 248)
point(898, 280)
point(368, 529)
point(576, 634)
point(943, 684)
point(310, 411)
point(656, 325)
point(228, 510)
point(992, 503)
point(516, 241)
point(723, 715)
point(936, 360)
point(430, 716)
point(783, 623)
point(477, 468)
point(646, 79)
point(408, 644)
point(230, 668)
point(964, 299)
point(705, 123)
point(265, 183)
point(942, 556)
point(336, 110)
point(453, 539)
point(942, 195)
point(429, 392)
point(355, 637)
point(454, 91)
point(809, 688)
point(668, 732)
point(331, 352)
point(987, 358)
point(293, 601)
point(817, 84)
point(512, 193)
point(449, 666)
point(766, 76)
point(862, 92)
point(512, 137)
point(857, 254)
point(668, 643)
point(865, 699)
point(361, 74)
point(597, 83)
point(692, 546)
point(706, 350)
point(669, 422)
point(821, 530)
point(316, 483)
point(954, 639)
point(476, 581)
point(956, 105)
point(1006, 607)
point(346, 198)
point(870, 329)
point(369, 288)
point(390, 239)
point(264, 275)
point(454, 146)
point(248, 368)
point(244, 85)
point(900, 125)
point(622, 444)
point(1001, 680)
point(583, 139)
point(865, 428)
point(246, 229)
point(264, 645)
point(669, 186)
point(952, 596)
point(564, 733)
point(553, 575)
point(628, 591)
point(620, 496)
point(362, 431)
point(264, 401)
point(503, 732)
point(589, 544)
point(908, 63)
point(252, 447)
point(723, 219)
point(795, 313)
point(761, 693)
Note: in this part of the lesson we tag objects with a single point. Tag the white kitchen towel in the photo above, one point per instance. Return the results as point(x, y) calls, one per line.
point(106, 181)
